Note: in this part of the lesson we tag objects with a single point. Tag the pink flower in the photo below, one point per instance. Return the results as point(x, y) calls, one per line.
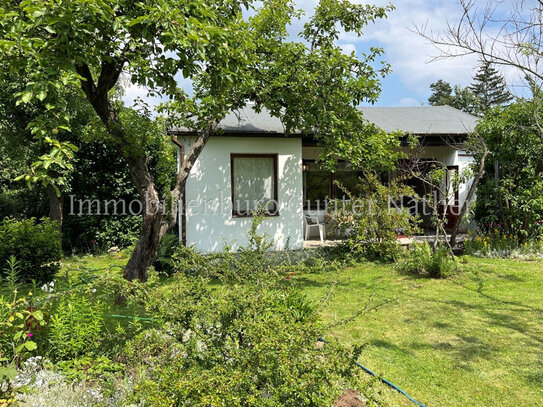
point(29, 335)
point(288, 277)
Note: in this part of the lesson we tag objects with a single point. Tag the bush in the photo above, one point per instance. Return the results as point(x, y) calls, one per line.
point(423, 260)
point(168, 246)
point(254, 260)
point(35, 244)
point(510, 194)
point(370, 222)
point(250, 342)
point(242, 345)
point(75, 328)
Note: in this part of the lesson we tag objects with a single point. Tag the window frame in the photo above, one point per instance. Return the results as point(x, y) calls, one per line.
point(275, 198)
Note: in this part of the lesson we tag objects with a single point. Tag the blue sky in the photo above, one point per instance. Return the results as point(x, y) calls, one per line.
point(407, 52)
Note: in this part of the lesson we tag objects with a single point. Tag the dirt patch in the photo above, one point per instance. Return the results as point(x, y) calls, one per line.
point(350, 398)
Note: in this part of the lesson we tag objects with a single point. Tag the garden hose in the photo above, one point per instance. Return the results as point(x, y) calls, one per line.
point(388, 383)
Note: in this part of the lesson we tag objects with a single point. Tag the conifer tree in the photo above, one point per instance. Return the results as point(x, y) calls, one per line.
point(489, 87)
point(441, 93)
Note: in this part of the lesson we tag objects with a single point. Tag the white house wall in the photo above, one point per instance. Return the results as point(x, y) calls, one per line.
point(210, 226)
point(451, 156)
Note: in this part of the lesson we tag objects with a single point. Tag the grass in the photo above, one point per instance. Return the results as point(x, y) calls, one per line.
point(474, 338)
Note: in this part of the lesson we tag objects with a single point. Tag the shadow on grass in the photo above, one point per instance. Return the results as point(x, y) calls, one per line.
point(389, 346)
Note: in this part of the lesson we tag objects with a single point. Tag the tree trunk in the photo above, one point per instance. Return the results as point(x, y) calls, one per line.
point(154, 222)
point(55, 206)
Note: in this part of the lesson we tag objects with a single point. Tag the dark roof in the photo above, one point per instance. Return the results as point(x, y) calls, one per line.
point(423, 120)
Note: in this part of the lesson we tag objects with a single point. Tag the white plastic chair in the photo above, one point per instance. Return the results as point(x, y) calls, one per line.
point(312, 222)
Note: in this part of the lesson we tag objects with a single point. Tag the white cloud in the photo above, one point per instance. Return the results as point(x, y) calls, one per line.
point(348, 48)
point(409, 54)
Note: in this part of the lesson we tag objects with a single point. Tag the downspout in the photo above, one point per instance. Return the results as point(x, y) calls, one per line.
point(182, 215)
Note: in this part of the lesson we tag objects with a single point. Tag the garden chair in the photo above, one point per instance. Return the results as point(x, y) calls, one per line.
point(313, 222)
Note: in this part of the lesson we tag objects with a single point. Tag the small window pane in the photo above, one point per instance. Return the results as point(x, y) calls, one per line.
point(253, 183)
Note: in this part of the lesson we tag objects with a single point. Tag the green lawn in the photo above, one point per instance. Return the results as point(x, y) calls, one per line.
point(473, 339)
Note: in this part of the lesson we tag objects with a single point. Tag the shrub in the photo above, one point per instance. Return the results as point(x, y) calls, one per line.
point(45, 387)
point(96, 234)
point(510, 194)
point(369, 220)
point(89, 368)
point(19, 322)
point(252, 261)
point(242, 345)
point(166, 250)
point(423, 260)
point(35, 244)
point(252, 341)
point(75, 328)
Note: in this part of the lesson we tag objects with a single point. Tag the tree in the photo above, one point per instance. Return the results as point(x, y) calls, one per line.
point(510, 195)
point(461, 99)
point(310, 83)
point(489, 88)
point(29, 156)
point(441, 93)
point(505, 34)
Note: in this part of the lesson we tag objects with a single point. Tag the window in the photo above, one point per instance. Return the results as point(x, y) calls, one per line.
point(316, 185)
point(319, 184)
point(254, 184)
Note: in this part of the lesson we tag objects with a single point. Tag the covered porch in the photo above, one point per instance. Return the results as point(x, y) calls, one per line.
point(320, 186)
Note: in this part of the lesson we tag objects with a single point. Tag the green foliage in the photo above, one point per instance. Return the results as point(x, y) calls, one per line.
point(459, 98)
point(496, 244)
point(75, 328)
point(242, 345)
point(253, 261)
point(58, 159)
point(168, 246)
point(489, 88)
point(370, 219)
point(232, 52)
point(35, 244)
point(423, 260)
point(310, 82)
point(111, 182)
point(510, 195)
point(19, 323)
point(89, 368)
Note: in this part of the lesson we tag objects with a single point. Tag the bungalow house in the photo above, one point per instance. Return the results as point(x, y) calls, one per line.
point(252, 159)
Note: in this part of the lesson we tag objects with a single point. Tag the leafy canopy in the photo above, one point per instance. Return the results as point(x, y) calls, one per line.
point(510, 195)
point(232, 51)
